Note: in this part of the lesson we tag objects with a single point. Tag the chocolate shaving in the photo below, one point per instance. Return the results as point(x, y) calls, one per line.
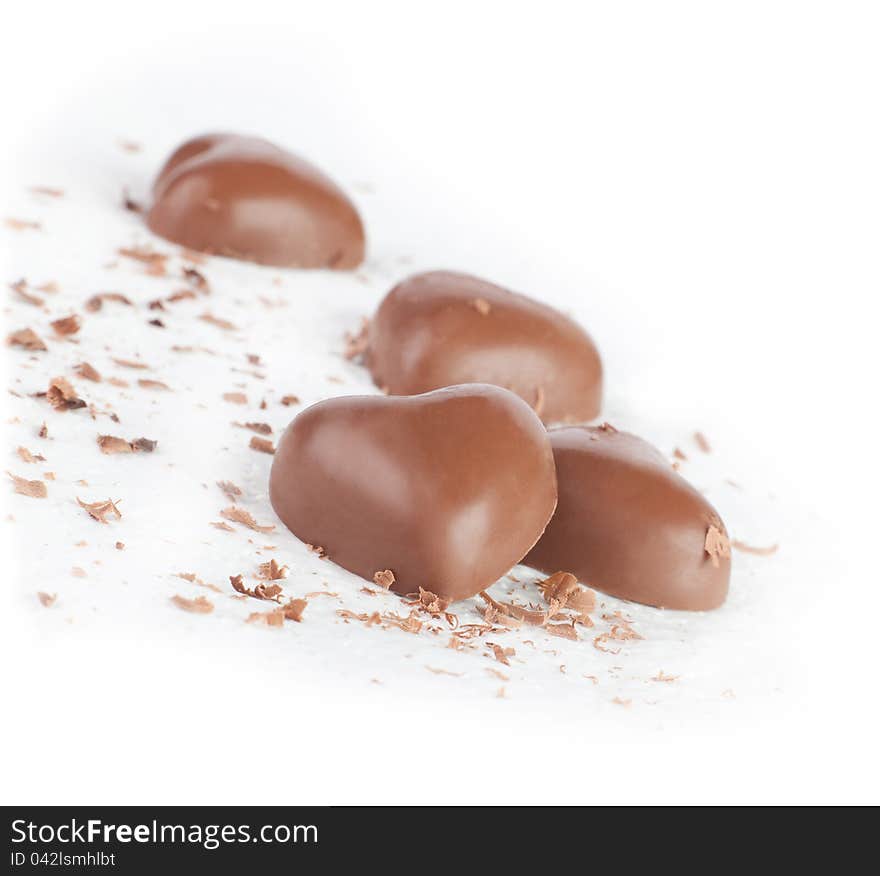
point(154, 261)
point(236, 398)
point(26, 456)
point(384, 579)
point(563, 588)
point(47, 599)
point(96, 302)
point(110, 444)
point(62, 396)
point(271, 571)
point(100, 510)
point(716, 545)
point(197, 279)
point(239, 515)
point(26, 338)
point(87, 372)
point(22, 224)
point(757, 551)
point(186, 576)
point(224, 324)
point(153, 384)
point(132, 363)
point(199, 605)
point(48, 191)
point(32, 489)
point(263, 445)
point(232, 492)
point(20, 289)
point(67, 325)
point(566, 631)
point(262, 428)
point(289, 400)
point(702, 442)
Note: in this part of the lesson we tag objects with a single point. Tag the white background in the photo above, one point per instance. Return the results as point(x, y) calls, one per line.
point(698, 183)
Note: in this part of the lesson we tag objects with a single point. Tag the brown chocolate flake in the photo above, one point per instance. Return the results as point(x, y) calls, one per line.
point(702, 442)
point(563, 588)
point(497, 673)
point(271, 571)
point(43, 431)
point(431, 602)
point(67, 325)
point(46, 599)
point(129, 146)
point(49, 191)
point(197, 280)
point(96, 302)
point(87, 372)
point(317, 549)
point(757, 551)
point(384, 579)
point(217, 321)
point(111, 444)
point(120, 545)
point(62, 396)
point(22, 224)
point(501, 654)
point(262, 445)
point(236, 398)
point(20, 287)
point(289, 400)
point(26, 456)
point(153, 384)
point(32, 489)
point(662, 676)
point(274, 618)
point(26, 338)
point(678, 453)
point(199, 605)
point(230, 489)
point(481, 306)
point(356, 344)
point(293, 609)
point(180, 295)
point(565, 631)
point(154, 261)
point(239, 515)
point(192, 578)
point(261, 428)
point(132, 363)
point(717, 545)
point(436, 671)
point(219, 524)
point(618, 701)
point(100, 510)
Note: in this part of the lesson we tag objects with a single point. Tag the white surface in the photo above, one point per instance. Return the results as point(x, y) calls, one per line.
point(698, 188)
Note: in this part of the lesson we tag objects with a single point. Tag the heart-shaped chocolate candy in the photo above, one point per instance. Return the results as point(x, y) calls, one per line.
point(443, 328)
point(628, 524)
point(447, 490)
point(246, 198)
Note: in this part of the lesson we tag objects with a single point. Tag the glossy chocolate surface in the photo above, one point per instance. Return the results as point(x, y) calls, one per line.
point(448, 490)
point(442, 328)
point(246, 198)
point(629, 525)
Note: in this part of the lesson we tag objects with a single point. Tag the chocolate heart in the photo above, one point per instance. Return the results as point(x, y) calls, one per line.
point(245, 197)
point(441, 328)
point(628, 524)
point(447, 490)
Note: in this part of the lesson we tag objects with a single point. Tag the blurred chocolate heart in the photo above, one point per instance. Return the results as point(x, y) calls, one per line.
point(246, 198)
point(441, 328)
